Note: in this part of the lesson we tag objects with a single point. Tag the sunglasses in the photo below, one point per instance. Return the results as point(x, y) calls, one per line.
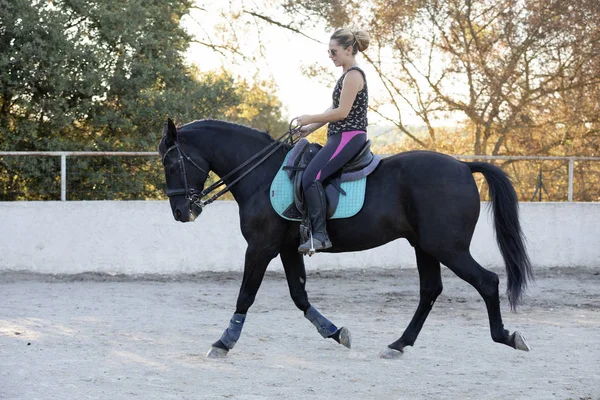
point(332, 52)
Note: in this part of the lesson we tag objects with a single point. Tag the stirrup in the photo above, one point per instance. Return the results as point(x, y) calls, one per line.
point(312, 250)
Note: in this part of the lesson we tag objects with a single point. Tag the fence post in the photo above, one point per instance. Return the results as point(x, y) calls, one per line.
point(571, 166)
point(63, 177)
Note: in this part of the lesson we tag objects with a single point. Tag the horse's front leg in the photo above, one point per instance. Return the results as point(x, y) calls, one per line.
point(256, 262)
point(293, 264)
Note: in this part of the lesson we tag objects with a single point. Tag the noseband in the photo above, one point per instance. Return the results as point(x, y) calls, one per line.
point(190, 193)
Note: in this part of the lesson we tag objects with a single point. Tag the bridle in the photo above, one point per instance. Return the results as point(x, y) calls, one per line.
point(190, 193)
point(195, 196)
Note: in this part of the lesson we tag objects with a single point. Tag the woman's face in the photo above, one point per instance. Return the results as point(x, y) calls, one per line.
point(338, 54)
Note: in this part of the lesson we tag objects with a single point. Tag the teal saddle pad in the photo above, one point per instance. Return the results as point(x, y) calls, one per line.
point(282, 195)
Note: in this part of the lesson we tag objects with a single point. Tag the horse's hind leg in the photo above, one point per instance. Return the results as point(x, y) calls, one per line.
point(486, 283)
point(293, 264)
point(430, 288)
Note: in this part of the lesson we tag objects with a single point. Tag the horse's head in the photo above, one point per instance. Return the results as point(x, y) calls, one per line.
point(185, 174)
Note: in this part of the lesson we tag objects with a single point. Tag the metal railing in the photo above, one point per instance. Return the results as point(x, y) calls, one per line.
point(63, 160)
point(540, 158)
point(64, 154)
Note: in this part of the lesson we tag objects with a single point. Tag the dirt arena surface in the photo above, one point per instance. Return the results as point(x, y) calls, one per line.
point(144, 337)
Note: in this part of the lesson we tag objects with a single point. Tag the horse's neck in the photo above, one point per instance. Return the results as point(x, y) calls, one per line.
point(227, 151)
point(225, 157)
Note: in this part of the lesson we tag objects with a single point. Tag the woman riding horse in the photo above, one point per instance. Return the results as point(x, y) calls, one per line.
point(429, 198)
point(346, 132)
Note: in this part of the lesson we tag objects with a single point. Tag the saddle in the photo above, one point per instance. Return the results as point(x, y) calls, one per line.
point(359, 167)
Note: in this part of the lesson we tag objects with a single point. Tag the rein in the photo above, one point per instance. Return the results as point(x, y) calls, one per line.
point(196, 198)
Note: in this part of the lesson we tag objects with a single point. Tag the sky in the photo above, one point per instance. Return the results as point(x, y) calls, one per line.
point(285, 54)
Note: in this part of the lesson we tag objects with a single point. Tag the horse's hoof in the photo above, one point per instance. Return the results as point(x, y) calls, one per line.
point(520, 342)
point(345, 337)
point(216, 352)
point(391, 354)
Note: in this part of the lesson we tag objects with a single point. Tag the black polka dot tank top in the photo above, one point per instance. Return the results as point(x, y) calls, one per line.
point(357, 118)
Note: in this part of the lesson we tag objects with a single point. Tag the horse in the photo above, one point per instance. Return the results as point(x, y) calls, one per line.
point(428, 198)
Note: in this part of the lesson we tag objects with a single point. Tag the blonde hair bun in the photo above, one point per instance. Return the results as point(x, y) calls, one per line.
point(359, 39)
point(362, 40)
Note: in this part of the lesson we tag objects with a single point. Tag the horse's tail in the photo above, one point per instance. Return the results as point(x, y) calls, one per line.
point(509, 235)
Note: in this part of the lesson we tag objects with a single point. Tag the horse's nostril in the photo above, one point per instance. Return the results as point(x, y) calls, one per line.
point(178, 213)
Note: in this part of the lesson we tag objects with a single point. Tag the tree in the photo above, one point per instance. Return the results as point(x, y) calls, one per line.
point(522, 77)
point(493, 63)
point(103, 75)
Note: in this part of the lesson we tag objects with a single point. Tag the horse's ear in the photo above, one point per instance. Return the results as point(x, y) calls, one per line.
point(170, 131)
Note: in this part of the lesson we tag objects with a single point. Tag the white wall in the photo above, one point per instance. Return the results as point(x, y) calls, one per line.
point(142, 237)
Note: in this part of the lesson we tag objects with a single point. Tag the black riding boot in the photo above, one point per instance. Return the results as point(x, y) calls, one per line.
point(317, 203)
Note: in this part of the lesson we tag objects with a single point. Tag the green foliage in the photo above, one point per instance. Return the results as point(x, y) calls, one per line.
point(102, 75)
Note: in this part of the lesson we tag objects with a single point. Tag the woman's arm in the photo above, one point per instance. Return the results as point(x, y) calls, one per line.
point(353, 81)
point(310, 128)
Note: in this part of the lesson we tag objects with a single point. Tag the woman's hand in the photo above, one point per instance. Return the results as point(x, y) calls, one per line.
point(304, 120)
point(304, 131)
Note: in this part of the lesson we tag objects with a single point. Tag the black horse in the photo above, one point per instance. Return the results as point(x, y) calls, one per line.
point(428, 198)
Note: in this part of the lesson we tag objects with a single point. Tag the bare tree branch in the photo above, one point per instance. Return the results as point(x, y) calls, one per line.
point(281, 25)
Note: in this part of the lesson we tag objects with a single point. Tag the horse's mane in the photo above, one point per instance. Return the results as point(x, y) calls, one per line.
point(220, 124)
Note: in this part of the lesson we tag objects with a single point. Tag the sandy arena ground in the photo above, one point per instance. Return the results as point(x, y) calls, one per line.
point(103, 337)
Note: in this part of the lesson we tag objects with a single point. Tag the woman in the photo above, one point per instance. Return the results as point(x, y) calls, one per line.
point(346, 132)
